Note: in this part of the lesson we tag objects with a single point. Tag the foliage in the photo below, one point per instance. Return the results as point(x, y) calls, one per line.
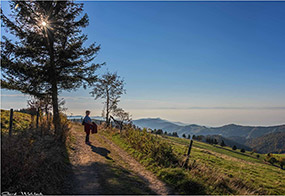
point(158, 131)
point(109, 87)
point(281, 162)
point(21, 121)
point(48, 53)
point(174, 134)
point(157, 151)
point(273, 142)
point(223, 143)
point(242, 150)
point(234, 147)
point(122, 114)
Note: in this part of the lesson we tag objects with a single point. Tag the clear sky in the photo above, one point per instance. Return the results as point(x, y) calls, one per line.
point(209, 63)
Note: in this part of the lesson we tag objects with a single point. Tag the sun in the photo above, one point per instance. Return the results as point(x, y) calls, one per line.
point(44, 23)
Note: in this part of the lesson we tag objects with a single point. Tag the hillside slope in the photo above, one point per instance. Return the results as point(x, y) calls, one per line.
point(212, 170)
point(273, 143)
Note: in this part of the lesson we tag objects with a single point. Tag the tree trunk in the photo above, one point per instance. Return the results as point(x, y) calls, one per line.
point(56, 116)
point(54, 89)
point(107, 110)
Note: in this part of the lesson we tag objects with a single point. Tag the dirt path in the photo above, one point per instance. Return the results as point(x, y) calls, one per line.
point(104, 168)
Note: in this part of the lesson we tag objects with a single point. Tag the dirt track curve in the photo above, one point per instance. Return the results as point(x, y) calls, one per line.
point(103, 168)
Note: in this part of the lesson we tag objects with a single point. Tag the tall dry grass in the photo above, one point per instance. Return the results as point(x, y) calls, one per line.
point(34, 161)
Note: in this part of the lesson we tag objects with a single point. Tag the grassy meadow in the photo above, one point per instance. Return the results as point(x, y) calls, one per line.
point(211, 169)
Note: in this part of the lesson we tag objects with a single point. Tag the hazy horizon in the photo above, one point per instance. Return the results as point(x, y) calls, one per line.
point(206, 63)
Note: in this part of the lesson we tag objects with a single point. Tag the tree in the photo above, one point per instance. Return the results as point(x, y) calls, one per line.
point(189, 136)
point(174, 134)
point(282, 162)
point(159, 132)
point(234, 147)
point(47, 54)
point(272, 160)
point(109, 87)
point(122, 115)
point(184, 136)
point(43, 104)
point(223, 143)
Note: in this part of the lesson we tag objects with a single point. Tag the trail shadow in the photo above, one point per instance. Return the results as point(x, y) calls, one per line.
point(101, 151)
point(108, 179)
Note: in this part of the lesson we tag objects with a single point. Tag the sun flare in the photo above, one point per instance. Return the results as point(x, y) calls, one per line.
point(44, 23)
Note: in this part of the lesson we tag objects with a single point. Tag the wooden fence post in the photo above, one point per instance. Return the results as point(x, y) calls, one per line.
point(188, 153)
point(11, 123)
point(38, 114)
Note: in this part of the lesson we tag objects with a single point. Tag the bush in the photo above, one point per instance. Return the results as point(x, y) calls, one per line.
point(257, 156)
point(242, 150)
point(223, 143)
point(234, 147)
point(282, 162)
point(272, 160)
point(159, 151)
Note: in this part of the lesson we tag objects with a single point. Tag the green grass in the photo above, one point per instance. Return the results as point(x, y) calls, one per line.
point(247, 156)
point(21, 121)
point(213, 169)
point(232, 163)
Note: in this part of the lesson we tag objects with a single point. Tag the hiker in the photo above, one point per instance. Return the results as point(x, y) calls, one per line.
point(88, 125)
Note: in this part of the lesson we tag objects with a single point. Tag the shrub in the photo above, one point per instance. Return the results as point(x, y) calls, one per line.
point(272, 160)
point(223, 143)
point(282, 162)
point(257, 156)
point(242, 150)
point(234, 147)
point(150, 146)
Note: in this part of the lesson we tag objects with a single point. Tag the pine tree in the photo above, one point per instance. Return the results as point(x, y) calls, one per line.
point(47, 54)
point(109, 87)
point(223, 143)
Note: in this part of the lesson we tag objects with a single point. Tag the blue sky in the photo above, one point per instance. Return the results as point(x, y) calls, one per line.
point(209, 63)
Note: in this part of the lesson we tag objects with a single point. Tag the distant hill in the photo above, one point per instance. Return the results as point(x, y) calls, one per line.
point(230, 142)
point(230, 131)
point(157, 123)
point(273, 143)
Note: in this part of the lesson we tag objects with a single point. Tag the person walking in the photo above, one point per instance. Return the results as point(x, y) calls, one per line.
point(88, 125)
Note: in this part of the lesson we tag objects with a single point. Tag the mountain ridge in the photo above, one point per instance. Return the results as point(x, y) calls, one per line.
point(229, 130)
